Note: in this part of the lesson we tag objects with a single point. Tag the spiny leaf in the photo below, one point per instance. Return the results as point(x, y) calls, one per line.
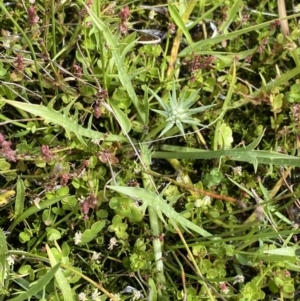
point(244, 154)
point(149, 198)
point(68, 124)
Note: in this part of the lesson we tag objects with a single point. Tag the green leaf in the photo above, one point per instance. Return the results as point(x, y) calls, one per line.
point(69, 125)
point(53, 234)
point(149, 198)
point(152, 290)
point(208, 43)
point(25, 284)
point(36, 287)
point(225, 137)
point(60, 278)
point(91, 234)
point(179, 22)
point(20, 197)
point(34, 209)
point(286, 251)
point(244, 154)
point(3, 71)
point(3, 256)
point(122, 118)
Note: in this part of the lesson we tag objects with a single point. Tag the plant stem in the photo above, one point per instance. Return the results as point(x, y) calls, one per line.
point(155, 223)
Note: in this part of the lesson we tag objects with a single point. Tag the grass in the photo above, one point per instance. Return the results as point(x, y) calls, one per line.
point(149, 151)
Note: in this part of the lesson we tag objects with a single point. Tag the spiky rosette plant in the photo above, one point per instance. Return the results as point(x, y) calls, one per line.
point(179, 111)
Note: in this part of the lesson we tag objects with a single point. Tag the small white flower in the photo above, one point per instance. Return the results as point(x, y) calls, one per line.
point(96, 256)
point(82, 297)
point(81, 199)
point(198, 203)
point(6, 43)
point(36, 202)
point(239, 279)
point(137, 295)
point(96, 141)
point(31, 1)
point(95, 295)
point(77, 238)
point(205, 202)
point(237, 170)
point(10, 260)
point(131, 290)
point(152, 14)
point(112, 242)
point(296, 8)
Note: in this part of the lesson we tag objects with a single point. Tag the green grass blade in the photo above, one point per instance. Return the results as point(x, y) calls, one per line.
point(60, 278)
point(122, 118)
point(36, 287)
point(25, 284)
point(207, 43)
point(3, 255)
point(149, 198)
point(239, 154)
point(231, 15)
point(179, 22)
point(34, 209)
point(123, 76)
point(20, 197)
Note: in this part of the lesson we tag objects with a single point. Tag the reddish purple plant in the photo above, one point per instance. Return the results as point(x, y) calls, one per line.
point(124, 15)
point(64, 179)
point(33, 18)
point(47, 154)
point(171, 28)
point(19, 63)
point(201, 62)
point(263, 44)
point(88, 203)
point(6, 151)
point(97, 111)
point(78, 70)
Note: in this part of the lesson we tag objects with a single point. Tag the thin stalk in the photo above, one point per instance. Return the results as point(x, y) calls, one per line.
point(182, 276)
point(282, 15)
point(189, 186)
point(192, 259)
point(199, 136)
point(53, 20)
